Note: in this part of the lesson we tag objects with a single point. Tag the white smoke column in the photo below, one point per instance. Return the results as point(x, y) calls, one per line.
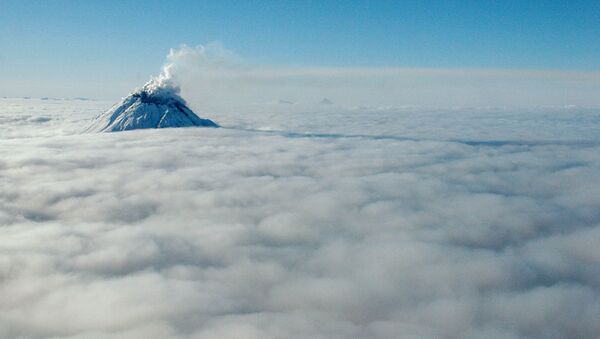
point(162, 85)
point(163, 80)
point(205, 59)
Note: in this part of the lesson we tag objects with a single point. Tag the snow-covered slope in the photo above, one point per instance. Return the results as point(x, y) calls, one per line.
point(152, 106)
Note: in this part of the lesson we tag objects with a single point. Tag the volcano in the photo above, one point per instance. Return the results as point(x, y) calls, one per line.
point(156, 105)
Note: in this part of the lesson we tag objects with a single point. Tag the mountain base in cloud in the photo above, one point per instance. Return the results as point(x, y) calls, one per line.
point(155, 105)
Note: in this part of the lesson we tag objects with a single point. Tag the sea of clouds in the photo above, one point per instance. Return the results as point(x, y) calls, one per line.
point(328, 223)
point(370, 216)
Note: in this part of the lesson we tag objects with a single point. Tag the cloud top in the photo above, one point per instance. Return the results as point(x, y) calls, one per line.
point(178, 233)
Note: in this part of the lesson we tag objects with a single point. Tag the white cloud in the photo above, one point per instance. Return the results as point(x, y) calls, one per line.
point(415, 228)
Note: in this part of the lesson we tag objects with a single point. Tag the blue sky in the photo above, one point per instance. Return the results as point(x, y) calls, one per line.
point(56, 42)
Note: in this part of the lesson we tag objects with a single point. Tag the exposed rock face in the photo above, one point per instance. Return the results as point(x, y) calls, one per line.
point(155, 105)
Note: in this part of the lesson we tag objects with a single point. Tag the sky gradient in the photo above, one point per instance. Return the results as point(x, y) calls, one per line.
point(47, 44)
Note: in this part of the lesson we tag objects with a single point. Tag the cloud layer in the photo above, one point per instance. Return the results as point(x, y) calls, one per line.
point(202, 233)
point(215, 79)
